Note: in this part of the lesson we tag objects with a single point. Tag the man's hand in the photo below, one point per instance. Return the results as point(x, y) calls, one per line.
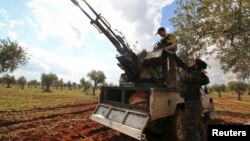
point(157, 46)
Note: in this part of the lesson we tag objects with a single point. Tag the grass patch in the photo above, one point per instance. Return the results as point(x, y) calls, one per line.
point(14, 99)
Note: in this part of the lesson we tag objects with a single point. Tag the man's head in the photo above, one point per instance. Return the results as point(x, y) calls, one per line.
point(198, 64)
point(161, 31)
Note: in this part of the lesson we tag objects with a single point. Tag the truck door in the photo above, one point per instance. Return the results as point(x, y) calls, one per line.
point(205, 99)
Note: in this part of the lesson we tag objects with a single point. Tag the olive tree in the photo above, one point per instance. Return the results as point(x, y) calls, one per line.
point(61, 83)
point(74, 85)
point(219, 88)
point(8, 80)
point(21, 81)
point(98, 77)
point(47, 80)
point(219, 27)
point(33, 83)
point(69, 85)
point(85, 84)
point(239, 87)
point(12, 55)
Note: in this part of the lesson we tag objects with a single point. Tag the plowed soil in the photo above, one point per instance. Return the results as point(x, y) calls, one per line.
point(71, 122)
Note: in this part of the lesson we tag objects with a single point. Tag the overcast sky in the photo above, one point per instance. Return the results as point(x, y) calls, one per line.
point(60, 39)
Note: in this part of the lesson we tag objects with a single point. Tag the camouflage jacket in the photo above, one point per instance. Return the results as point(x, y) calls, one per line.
point(191, 82)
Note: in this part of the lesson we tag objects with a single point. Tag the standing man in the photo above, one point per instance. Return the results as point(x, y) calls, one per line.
point(191, 80)
point(168, 42)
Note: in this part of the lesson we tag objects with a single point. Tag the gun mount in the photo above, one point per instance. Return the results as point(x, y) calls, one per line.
point(144, 102)
point(142, 67)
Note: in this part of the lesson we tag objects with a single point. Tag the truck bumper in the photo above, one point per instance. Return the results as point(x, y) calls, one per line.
point(131, 123)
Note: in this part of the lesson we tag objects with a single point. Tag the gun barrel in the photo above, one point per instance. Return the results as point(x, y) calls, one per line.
point(90, 7)
point(78, 5)
point(128, 58)
point(103, 26)
point(75, 2)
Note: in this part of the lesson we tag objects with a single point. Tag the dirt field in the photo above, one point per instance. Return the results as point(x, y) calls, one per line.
point(70, 121)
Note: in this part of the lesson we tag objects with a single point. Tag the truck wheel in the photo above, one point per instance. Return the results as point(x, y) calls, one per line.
point(210, 114)
point(176, 130)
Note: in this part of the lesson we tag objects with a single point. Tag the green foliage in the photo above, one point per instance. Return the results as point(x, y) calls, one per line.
point(215, 27)
point(47, 80)
point(21, 81)
point(8, 80)
point(12, 55)
point(239, 87)
point(74, 85)
point(231, 85)
point(85, 84)
point(98, 77)
point(56, 83)
point(219, 88)
point(1, 80)
point(33, 83)
point(69, 85)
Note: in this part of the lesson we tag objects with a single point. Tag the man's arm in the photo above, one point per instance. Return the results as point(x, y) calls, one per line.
point(178, 61)
point(205, 80)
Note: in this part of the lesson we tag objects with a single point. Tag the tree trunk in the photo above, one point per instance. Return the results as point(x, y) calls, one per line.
point(47, 88)
point(8, 86)
point(94, 91)
point(219, 94)
point(239, 96)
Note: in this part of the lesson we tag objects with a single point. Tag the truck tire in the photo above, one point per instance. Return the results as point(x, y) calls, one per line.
point(210, 114)
point(176, 130)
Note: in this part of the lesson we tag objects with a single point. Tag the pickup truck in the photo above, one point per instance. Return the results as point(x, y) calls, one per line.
point(162, 112)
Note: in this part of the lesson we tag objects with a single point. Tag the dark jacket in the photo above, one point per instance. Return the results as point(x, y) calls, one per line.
point(191, 80)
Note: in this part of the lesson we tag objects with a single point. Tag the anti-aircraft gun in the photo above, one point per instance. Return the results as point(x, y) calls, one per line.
point(144, 102)
point(134, 65)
